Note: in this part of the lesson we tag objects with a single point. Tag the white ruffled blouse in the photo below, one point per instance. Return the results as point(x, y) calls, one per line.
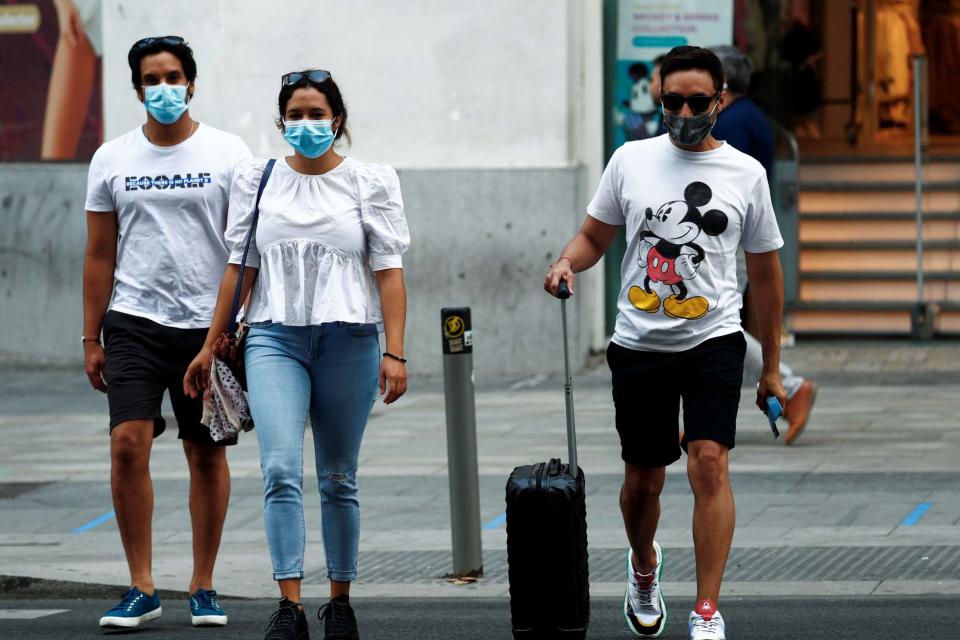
point(318, 240)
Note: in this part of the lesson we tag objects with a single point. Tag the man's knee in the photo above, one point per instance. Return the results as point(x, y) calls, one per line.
point(130, 442)
point(641, 484)
point(205, 458)
point(708, 466)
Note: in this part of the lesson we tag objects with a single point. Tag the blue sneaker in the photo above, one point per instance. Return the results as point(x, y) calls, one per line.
point(205, 610)
point(134, 608)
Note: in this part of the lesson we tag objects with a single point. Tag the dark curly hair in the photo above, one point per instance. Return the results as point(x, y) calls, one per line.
point(183, 52)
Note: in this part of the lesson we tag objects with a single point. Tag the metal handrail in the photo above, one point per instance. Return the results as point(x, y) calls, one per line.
point(791, 140)
point(787, 193)
point(919, 76)
point(923, 316)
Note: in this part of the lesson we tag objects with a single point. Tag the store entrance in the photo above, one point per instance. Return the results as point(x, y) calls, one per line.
point(867, 261)
point(851, 76)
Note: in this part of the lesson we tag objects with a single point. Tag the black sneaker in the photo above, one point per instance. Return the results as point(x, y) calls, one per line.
point(339, 621)
point(288, 623)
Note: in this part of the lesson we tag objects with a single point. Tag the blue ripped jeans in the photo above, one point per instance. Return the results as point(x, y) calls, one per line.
point(328, 373)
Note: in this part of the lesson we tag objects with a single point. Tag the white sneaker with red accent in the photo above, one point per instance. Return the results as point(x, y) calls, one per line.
point(706, 623)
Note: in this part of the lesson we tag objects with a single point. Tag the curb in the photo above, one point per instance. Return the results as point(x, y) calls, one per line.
point(29, 588)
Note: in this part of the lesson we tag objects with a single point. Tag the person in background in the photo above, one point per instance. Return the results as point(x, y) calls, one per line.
point(157, 200)
point(656, 122)
point(326, 274)
point(802, 48)
point(744, 126)
point(741, 122)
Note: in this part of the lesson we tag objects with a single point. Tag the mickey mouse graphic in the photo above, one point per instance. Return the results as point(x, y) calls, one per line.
point(670, 256)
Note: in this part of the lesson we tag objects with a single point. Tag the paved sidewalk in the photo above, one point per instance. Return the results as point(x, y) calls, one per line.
point(865, 504)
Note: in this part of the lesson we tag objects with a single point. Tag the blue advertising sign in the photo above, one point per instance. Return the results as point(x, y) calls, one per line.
point(645, 30)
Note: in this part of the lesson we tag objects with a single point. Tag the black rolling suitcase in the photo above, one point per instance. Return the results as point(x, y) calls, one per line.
point(547, 537)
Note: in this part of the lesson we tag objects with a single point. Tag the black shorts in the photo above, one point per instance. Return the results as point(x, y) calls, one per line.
point(144, 359)
point(648, 387)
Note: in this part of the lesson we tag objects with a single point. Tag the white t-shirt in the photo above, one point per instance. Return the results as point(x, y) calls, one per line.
point(319, 239)
point(686, 213)
point(171, 205)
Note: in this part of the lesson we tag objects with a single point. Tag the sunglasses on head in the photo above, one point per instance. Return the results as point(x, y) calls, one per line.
point(173, 41)
point(314, 75)
point(698, 104)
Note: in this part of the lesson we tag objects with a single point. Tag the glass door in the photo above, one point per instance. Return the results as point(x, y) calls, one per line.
point(889, 34)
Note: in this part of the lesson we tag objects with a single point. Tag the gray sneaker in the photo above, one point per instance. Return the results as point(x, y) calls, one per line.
point(643, 605)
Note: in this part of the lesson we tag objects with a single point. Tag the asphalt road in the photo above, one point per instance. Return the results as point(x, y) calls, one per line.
point(841, 618)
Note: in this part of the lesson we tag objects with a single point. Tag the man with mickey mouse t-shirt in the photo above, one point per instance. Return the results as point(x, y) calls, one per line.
point(688, 201)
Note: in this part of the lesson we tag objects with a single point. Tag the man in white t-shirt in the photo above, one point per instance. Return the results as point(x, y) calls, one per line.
point(688, 201)
point(157, 201)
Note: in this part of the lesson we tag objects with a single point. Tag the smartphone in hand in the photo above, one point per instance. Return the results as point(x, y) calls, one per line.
point(774, 411)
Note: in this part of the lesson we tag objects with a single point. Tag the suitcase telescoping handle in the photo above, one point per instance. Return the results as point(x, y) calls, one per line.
point(563, 292)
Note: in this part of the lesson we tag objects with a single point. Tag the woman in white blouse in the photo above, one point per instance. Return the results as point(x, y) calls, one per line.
point(328, 274)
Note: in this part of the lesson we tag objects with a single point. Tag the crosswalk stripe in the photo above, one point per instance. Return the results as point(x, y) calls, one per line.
point(28, 614)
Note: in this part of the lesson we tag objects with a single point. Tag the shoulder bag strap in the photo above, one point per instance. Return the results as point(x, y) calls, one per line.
point(235, 307)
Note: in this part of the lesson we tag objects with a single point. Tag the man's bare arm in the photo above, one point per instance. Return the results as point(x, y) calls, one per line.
point(582, 252)
point(766, 294)
point(99, 263)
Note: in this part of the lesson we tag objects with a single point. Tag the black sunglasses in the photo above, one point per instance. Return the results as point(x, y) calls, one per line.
point(698, 104)
point(314, 75)
point(173, 41)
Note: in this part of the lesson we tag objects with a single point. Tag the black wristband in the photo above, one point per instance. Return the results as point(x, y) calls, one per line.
point(397, 358)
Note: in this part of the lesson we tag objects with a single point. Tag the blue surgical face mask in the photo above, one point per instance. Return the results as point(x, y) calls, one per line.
point(311, 138)
point(165, 102)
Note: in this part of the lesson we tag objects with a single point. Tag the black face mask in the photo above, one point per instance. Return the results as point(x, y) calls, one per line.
point(690, 131)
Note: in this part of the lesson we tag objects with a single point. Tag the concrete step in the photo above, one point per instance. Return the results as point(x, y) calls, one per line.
point(901, 172)
point(811, 201)
point(834, 286)
point(866, 317)
point(881, 245)
point(871, 216)
point(894, 228)
point(857, 258)
point(892, 255)
point(887, 274)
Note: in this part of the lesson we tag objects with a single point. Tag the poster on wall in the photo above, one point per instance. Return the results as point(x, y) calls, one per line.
point(646, 30)
point(50, 80)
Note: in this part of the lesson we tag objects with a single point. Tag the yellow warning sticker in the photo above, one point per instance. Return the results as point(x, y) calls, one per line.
point(453, 327)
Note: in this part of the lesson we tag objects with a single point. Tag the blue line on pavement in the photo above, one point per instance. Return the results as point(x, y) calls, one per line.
point(96, 522)
point(496, 522)
point(916, 514)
